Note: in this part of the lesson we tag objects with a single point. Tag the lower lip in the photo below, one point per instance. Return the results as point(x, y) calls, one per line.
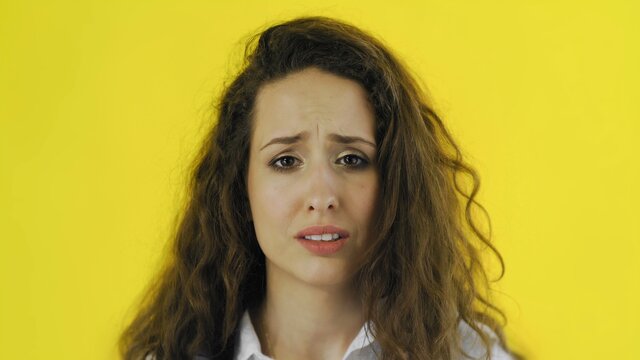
point(323, 247)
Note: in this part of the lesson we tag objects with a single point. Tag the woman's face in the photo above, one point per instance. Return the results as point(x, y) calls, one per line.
point(312, 162)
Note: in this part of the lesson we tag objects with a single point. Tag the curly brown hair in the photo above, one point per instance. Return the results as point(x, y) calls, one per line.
point(423, 274)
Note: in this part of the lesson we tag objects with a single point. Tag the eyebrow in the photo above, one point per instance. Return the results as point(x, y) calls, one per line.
point(341, 139)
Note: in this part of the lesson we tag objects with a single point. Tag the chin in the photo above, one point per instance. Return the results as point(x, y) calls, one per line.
point(323, 274)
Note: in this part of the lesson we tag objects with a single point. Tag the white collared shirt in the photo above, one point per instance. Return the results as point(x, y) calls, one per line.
point(363, 346)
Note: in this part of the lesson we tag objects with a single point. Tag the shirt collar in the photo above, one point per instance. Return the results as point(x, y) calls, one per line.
point(248, 343)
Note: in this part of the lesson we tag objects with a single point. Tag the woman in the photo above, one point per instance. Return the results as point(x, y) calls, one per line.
point(324, 220)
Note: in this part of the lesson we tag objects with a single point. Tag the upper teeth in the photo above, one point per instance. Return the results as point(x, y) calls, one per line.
point(323, 237)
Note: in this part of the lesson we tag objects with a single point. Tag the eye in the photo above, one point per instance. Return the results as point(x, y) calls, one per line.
point(354, 161)
point(286, 163)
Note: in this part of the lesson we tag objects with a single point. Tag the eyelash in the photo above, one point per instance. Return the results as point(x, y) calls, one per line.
point(363, 163)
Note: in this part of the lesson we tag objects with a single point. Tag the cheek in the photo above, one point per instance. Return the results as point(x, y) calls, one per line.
point(273, 202)
point(271, 206)
point(367, 197)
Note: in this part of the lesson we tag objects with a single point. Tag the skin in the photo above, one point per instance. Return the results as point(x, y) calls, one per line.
point(311, 310)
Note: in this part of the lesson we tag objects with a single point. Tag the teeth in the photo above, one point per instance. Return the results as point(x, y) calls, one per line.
point(323, 237)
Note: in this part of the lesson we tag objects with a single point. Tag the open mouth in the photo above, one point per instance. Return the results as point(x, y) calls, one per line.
point(323, 237)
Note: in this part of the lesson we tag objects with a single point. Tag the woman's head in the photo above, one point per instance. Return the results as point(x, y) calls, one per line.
point(403, 135)
point(419, 266)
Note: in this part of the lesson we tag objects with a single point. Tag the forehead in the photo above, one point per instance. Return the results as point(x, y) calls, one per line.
point(309, 99)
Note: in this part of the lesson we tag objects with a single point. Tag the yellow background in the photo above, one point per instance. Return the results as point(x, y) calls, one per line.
point(102, 105)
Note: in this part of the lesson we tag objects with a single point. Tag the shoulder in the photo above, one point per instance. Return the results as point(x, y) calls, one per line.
point(473, 346)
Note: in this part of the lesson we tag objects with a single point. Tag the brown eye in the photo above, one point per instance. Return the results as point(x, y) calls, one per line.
point(283, 163)
point(354, 161)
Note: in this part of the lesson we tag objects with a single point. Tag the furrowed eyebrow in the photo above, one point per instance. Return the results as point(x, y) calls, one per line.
point(341, 139)
point(344, 139)
point(285, 140)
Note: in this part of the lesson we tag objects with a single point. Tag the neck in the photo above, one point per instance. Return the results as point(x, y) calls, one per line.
point(298, 320)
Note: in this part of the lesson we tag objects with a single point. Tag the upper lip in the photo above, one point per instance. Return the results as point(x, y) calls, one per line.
point(322, 229)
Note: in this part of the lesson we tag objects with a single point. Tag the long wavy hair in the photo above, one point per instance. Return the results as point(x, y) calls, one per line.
point(423, 272)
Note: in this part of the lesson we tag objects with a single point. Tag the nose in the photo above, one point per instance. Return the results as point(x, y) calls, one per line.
point(322, 189)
